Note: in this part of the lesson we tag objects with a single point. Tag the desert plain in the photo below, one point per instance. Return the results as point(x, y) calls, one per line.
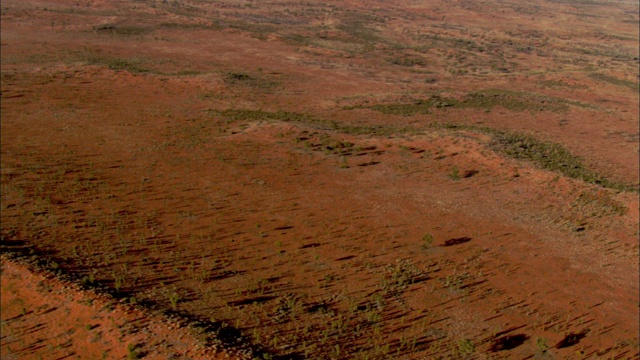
point(402, 179)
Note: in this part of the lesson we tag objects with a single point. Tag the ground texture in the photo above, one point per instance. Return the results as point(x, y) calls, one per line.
point(321, 180)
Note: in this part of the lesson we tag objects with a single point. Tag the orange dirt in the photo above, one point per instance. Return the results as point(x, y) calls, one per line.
point(44, 317)
point(322, 180)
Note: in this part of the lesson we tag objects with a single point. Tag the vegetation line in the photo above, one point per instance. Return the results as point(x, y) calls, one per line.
point(544, 154)
point(615, 81)
point(485, 100)
point(232, 115)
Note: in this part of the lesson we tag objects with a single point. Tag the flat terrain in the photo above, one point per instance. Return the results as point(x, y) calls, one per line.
point(319, 180)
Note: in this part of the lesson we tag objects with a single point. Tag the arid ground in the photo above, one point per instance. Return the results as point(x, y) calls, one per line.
point(399, 179)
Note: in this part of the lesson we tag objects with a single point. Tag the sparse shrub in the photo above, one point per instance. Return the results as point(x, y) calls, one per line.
point(233, 77)
point(174, 298)
point(427, 240)
point(401, 274)
point(132, 352)
point(240, 78)
point(542, 345)
point(466, 347)
point(343, 162)
point(133, 66)
point(455, 173)
point(118, 280)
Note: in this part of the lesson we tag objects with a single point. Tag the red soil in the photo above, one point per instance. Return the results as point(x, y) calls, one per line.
point(289, 236)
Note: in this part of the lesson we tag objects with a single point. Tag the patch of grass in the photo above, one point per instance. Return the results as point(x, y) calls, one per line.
point(233, 115)
point(466, 347)
point(244, 79)
point(131, 65)
point(542, 345)
point(544, 154)
point(356, 29)
point(484, 100)
point(174, 25)
point(598, 204)
point(260, 115)
point(234, 77)
point(174, 298)
point(513, 100)
point(380, 130)
point(421, 106)
point(343, 162)
point(455, 173)
point(121, 30)
point(188, 73)
point(132, 352)
point(615, 81)
point(260, 31)
point(550, 156)
point(555, 84)
point(408, 61)
point(297, 39)
point(427, 240)
point(400, 275)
